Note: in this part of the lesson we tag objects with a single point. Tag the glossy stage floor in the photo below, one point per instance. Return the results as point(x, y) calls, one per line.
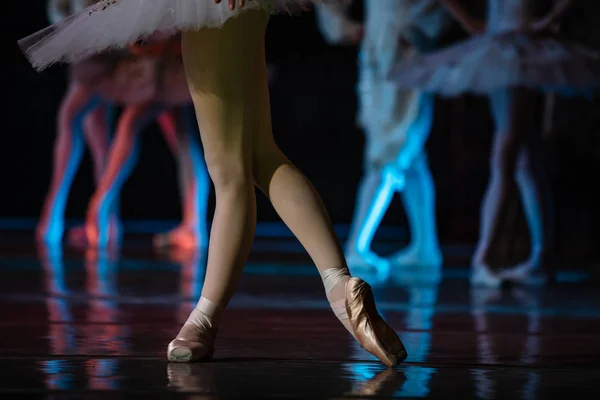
point(77, 324)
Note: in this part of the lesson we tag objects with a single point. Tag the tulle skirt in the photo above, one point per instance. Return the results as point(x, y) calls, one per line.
point(113, 24)
point(126, 79)
point(149, 73)
point(494, 62)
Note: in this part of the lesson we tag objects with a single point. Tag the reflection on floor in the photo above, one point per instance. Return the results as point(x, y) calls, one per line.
point(82, 322)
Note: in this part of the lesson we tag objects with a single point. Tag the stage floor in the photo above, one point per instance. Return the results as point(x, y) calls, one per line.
point(76, 324)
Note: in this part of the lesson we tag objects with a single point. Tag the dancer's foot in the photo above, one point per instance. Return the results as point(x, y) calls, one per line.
point(48, 233)
point(195, 341)
point(482, 276)
point(536, 271)
point(77, 236)
point(353, 303)
point(415, 257)
point(371, 331)
point(94, 236)
point(182, 237)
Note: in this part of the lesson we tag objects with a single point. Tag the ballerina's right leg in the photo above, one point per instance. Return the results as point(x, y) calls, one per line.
point(68, 151)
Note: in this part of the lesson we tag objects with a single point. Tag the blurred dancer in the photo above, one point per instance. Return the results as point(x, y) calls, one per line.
point(81, 115)
point(224, 55)
point(396, 123)
point(128, 79)
point(151, 82)
point(510, 63)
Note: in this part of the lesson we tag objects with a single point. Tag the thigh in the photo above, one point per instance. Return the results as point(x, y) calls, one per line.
point(220, 67)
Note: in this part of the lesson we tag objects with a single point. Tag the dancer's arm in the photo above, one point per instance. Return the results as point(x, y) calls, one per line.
point(466, 20)
point(554, 16)
point(335, 25)
point(58, 10)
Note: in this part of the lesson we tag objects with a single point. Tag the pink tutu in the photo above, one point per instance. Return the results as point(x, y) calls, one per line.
point(113, 24)
point(491, 62)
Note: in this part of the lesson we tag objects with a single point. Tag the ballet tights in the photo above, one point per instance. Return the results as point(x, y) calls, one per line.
point(227, 77)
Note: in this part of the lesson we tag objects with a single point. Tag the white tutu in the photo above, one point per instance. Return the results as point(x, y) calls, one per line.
point(113, 24)
point(493, 62)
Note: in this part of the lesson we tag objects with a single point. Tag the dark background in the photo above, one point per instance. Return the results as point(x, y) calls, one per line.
point(314, 109)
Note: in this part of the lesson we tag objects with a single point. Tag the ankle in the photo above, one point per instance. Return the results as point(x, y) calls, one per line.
point(206, 315)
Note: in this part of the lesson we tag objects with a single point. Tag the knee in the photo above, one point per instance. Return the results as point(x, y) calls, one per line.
point(266, 158)
point(228, 170)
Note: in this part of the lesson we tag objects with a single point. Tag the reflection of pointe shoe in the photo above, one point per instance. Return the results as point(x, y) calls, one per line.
point(371, 331)
point(385, 383)
point(482, 276)
point(482, 296)
point(525, 274)
point(87, 236)
point(192, 377)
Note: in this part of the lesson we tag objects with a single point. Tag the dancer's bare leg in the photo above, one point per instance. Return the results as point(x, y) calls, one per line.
point(232, 104)
point(97, 136)
point(418, 195)
point(178, 127)
point(511, 164)
point(121, 160)
point(505, 153)
point(68, 151)
point(97, 127)
point(419, 202)
point(537, 202)
point(367, 190)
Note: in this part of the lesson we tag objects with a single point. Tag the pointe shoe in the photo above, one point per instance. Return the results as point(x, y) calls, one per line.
point(191, 344)
point(371, 331)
